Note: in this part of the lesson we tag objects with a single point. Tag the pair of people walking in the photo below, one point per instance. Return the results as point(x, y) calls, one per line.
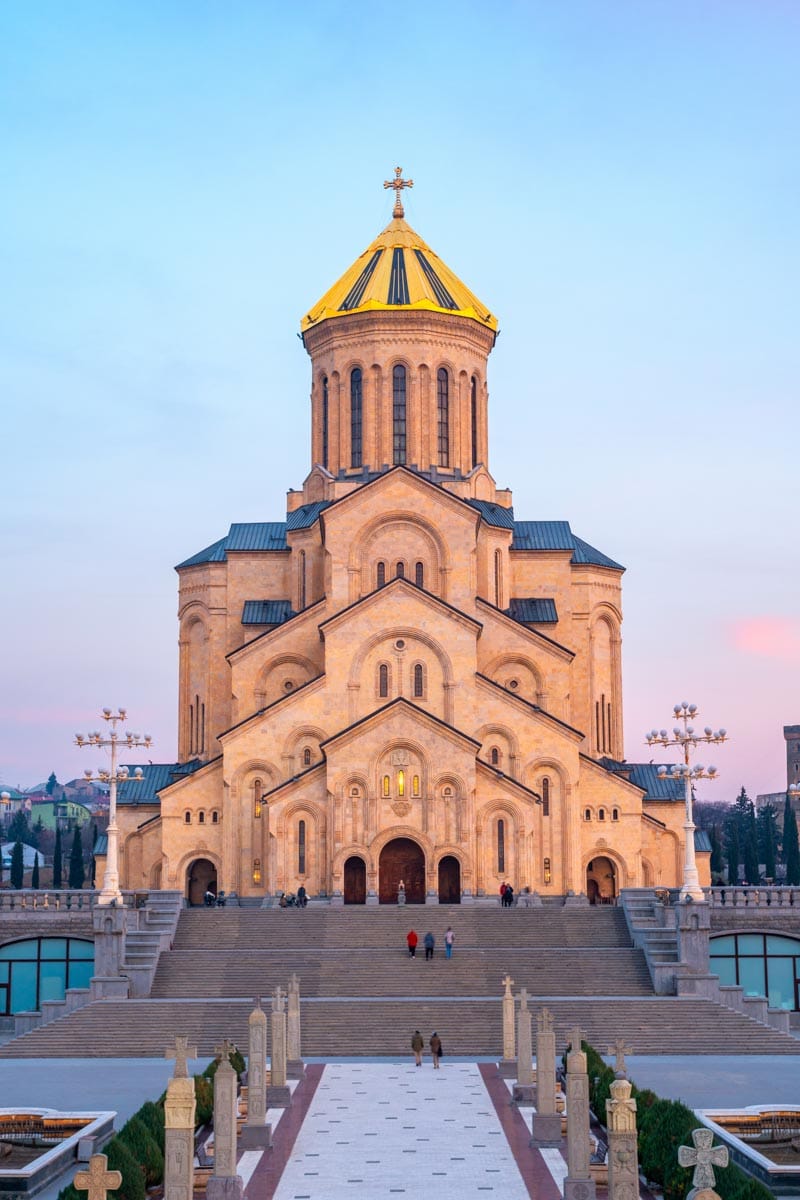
point(506, 895)
point(418, 1045)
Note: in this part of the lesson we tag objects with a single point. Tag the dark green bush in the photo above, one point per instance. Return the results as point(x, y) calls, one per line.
point(152, 1115)
point(235, 1058)
point(145, 1149)
point(121, 1159)
point(204, 1095)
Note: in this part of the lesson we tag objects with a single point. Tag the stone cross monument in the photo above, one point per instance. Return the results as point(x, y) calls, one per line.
point(256, 1133)
point(278, 1093)
point(623, 1158)
point(546, 1121)
point(294, 1059)
point(578, 1184)
point(508, 1065)
point(224, 1183)
point(523, 1088)
point(98, 1180)
point(179, 1120)
point(703, 1156)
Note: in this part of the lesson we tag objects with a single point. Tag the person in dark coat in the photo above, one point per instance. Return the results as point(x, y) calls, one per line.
point(412, 939)
point(436, 1049)
point(430, 942)
point(417, 1045)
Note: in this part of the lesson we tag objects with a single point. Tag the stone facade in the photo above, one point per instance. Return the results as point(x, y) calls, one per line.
point(401, 680)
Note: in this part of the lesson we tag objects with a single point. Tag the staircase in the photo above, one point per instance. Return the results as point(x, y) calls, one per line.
point(362, 995)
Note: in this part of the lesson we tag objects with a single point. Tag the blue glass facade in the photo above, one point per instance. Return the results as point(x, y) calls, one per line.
point(39, 969)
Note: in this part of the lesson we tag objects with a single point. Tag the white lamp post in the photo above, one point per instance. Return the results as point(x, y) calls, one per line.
point(684, 736)
point(110, 893)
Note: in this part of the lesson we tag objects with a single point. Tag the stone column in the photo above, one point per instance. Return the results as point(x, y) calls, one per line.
point(256, 1133)
point(109, 924)
point(508, 1066)
point(623, 1159)
point(523, 1088)
point(294, 1064)
point(578, 1184)
point(693, 926)
point(546, 1121)
point(179, 1123)
point(278, 1092)
point(224, 1183)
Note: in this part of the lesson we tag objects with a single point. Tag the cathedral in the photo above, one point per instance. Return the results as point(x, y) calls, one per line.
point(400, 681)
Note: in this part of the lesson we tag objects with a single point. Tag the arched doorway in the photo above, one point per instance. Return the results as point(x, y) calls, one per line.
point(402, 859)
point(201, 877)
point(601, 881)
point(355, 881)
point(449, 880)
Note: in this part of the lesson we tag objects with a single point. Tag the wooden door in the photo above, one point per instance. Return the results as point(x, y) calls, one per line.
point(403, 860)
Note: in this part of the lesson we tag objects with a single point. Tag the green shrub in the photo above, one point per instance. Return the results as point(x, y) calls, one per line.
point(145, 1149)
point(204, 1095)
point(235, 1058)
point(121, 1159)
point(152, 1115)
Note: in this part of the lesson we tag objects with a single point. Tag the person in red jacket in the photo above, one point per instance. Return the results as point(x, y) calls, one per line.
point(412, 940)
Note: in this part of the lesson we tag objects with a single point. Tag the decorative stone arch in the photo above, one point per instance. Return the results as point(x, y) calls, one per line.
point(194, 693)
point(648, 874)
point(253, 767)
point(190, 614)
point(293, 743)
point(501, 662)
point(399, 743)
point(606, 616)
point(401, 831)
point(560, 782)
point(304, 670)
point(352, 850)
point(513, 864)
point(178, 874)
point(289, 874)
point(485, 735)
point(363, 555)
point(601, 850)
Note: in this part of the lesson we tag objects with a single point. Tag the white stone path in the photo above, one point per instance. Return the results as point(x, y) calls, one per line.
point(386, 1130)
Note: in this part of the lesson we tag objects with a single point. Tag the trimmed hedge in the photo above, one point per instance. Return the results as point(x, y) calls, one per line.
point(145, 1149)
point(663, 1126)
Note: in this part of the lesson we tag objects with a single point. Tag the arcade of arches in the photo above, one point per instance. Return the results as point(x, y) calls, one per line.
point(400, 679)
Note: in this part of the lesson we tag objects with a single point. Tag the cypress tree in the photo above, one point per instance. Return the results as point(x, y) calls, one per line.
point(58, 867)
point(76, 872)
point(791, 849)
point(732, 852)
point(35, 872)
point(767, 839)
point(17, 865)
point(751, 864)
point(717, 863)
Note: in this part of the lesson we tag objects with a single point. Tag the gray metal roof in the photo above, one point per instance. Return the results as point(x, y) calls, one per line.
point(542, 535)
point(494, 514)
point(645, 776)
point(584, 553)
point(260, 535)
point(702, 841)
point(305, 516)
point(214, 553)
point(533, 610)
point(155, 776)
point(266, 612)
point(100, 844)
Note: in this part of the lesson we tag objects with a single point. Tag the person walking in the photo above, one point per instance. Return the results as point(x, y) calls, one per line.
point(503, 887)
point(436, 1049)
point(449, 938)
point(412, 939)
point(508, 899)
point(417, 1045)
point(430, 942)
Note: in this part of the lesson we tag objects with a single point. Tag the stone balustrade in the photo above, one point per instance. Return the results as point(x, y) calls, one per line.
point(754, 897)
point(68, 899)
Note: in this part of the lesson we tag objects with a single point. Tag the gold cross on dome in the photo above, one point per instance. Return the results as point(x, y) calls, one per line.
point(398, 183)
point(98, 1180)
point(180, 1052)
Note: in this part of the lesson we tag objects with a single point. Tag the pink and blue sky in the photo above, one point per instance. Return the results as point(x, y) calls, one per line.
point(619, 181)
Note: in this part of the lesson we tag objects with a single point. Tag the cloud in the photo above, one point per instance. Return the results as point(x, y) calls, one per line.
point(768, 637)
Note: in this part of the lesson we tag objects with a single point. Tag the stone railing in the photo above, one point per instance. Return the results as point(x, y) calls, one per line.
point(67, 899)
point(754, 897)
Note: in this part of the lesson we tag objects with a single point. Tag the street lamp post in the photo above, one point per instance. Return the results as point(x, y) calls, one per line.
point(115, 739)
point(684, 736)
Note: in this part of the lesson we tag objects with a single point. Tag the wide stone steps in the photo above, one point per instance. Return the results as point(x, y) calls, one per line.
point(375, 972)
point(385, 927)
point(658, 1025)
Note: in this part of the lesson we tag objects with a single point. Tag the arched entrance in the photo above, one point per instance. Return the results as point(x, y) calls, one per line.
point(402, 859)
point(355, 881)
point(601, 881)
point(201, 877)
point(449, 880)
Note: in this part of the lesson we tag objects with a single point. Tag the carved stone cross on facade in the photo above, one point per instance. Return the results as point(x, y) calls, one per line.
point(224, 1051)
point(180, 1052)
point(507, 983)
point(98, 1180)
point(703, 1156)
point(619, 1050)
point(398, 183)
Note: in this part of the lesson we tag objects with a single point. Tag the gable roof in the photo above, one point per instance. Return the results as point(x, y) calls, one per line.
point(155, 777)
point(646, 777)
point(533, 610)
point(541, 712)
point(557, 535)
point(267, 612)
point(401, 702)
point(403, 584)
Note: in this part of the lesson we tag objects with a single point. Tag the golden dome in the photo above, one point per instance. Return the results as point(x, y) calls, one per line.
point(398, 271)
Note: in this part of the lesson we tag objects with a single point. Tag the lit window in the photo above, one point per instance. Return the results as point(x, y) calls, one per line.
point(415, 786)
point(547, 871)
point(401, 783)
point(398, 415)
point(443, 417)
point(256, 870)
point(257, 797)
point(386, 785)
point(356, 405)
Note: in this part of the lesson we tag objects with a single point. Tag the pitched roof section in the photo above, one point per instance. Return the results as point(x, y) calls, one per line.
point(305, 516)
point(646, 777)
point(215, 553)
point(398, 271)
point(557, 535)
point(494, 514)
point(584, 553)
point(155, 777)
point(261, 535)
point(266, 612)
point(533, 610)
